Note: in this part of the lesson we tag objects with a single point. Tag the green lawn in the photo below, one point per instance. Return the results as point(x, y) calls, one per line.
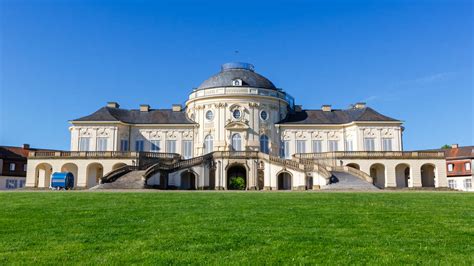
point(200, 227)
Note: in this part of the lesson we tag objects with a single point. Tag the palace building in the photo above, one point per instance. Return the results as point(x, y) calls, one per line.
point(237, 130)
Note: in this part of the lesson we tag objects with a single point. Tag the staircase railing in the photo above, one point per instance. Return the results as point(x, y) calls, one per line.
point(115, 174)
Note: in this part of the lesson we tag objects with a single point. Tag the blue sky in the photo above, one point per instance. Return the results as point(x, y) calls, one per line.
point(411, 60)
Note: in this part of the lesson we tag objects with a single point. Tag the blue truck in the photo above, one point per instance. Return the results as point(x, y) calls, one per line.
point(62, 181)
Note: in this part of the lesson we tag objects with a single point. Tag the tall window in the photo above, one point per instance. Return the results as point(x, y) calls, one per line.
point(285, 149)
point(300, 146)
point(208, 144)
point(387, 144)
point(12, 167)
point(101, 144)
point(369, 144)
point(171, 146)
point(332, 145)
point(236, 142)
point(450, 167)
point(467, 166)
point(317, 146)
point(468, 183)
point(187, 149)
point(452, 183)
point(25, 167)
point(124, 145)
point(264, 144)
point(348, 145)
point(139, 145)
point(84, 144)
point(155, 146)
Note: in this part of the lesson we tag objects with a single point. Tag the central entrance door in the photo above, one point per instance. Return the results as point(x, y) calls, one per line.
point(236, 178)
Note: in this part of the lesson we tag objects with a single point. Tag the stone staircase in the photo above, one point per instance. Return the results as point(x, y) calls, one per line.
point(131, 180)
point(348, 181)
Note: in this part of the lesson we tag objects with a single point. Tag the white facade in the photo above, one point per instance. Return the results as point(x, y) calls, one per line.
point(236, 110)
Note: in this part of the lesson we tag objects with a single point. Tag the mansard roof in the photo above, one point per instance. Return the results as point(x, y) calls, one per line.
point(153, 116)
point(366, 114)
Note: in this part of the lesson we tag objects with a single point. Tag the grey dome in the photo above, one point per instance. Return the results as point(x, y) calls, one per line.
point(232, 71)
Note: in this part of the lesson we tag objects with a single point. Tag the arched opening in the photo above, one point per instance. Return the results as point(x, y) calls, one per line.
point(428, 175)
point(236, 142)
point(264, 144)
point(95, 171)
point(377, 172)
point(43, 173)
point(70, 167)
point(284, 181)
point(188, 181)
point(236, 178)
point(402, 175)
point(212, 178)
point(117, 166)
point(309, 182)
point(208, 144)
point(260, 179)
point(354, 165)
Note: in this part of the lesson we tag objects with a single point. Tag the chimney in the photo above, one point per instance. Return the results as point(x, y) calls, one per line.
point(144, 108)
point(360, 105)
point(26, 146)
point(298, 108)
point(454, 146)
point(113, 105)
point(326, 108)
point(177, 108)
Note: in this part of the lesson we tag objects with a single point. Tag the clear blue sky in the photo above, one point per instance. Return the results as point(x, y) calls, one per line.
point(411, 60)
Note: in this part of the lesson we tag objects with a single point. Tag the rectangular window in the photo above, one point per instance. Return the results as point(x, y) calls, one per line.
point(139, 145)
point(11, 183)
point(101, 144)
point(332, 145)
point(467, 166)
point(25, 167)
point(450, 167)
point(468, 183)
point(21, 183)
point(369, 144)
point(300, 146)
point(452, 184)
point(387, 144)
point(124, 145)
point(285, 149)
point(155, 146)
point(12, 167)
point(348, 145)
point(84, 144)
point(171, 146)
point(187, 149)
point(317, 146)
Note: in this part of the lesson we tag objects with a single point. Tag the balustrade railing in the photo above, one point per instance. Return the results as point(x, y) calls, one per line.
point(371, 154)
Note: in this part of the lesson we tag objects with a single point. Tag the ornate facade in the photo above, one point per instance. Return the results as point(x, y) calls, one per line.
point(235, 119)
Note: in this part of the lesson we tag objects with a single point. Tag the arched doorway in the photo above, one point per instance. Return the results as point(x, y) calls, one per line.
point(188, 181)
point(377, 172)
point(117, 166)
point(260, 179)
point(402, 173)
point(70, 167)
point(309, 182)
point(284, 181)
point(236, 178)
point(428, 175)
point(43, 173)
point(354, 165)
point(95, 172)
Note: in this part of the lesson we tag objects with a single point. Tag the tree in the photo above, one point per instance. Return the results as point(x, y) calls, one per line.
point(446, 146)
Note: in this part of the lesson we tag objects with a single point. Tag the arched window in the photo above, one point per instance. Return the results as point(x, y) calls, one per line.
point(236, 142)
point(264, 144)
point(208, 144)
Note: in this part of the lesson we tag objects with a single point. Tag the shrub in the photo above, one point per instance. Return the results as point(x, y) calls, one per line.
point(237, 183)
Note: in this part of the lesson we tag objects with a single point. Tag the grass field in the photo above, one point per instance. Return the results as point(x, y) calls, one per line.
point(335, 228)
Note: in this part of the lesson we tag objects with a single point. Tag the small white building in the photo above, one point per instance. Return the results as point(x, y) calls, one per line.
point(235, 124)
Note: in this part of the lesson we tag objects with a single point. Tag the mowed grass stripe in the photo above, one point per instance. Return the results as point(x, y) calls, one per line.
point(236, 228)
